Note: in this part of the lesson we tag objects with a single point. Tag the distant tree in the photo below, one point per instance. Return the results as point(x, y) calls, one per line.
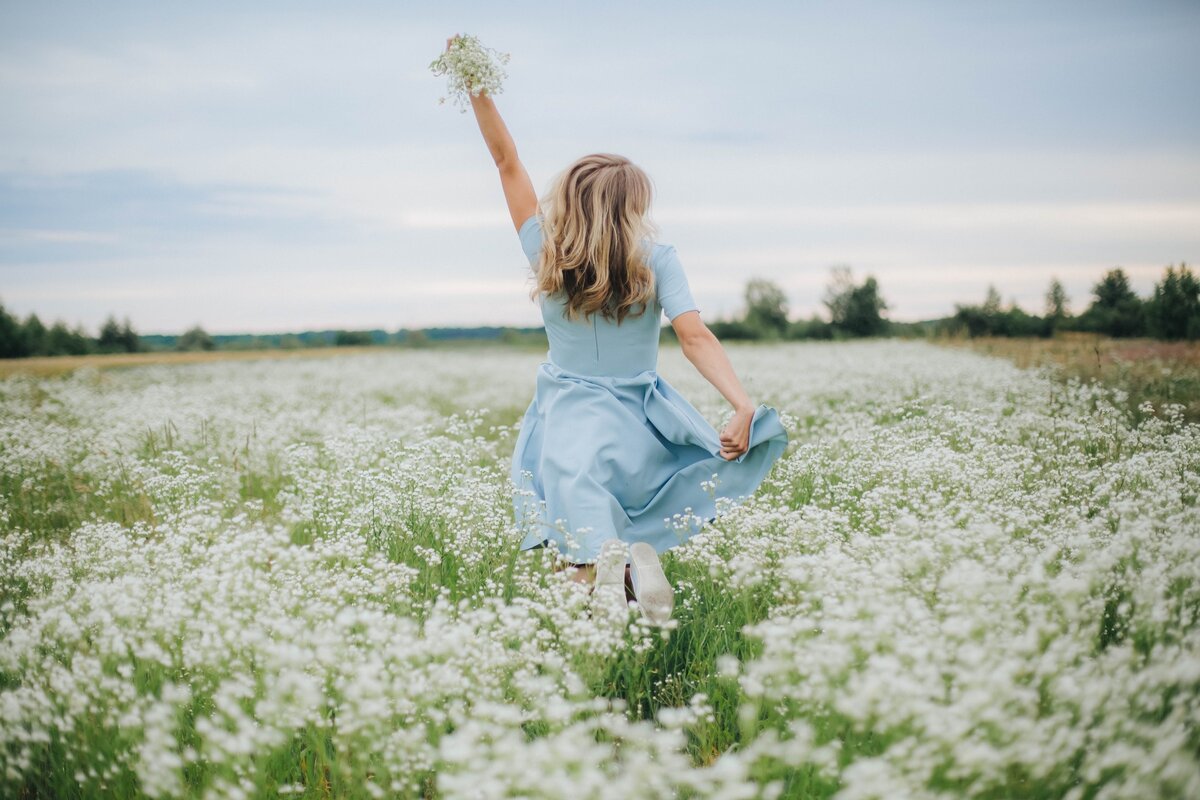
point(812, 328)
point(129, 339)
point(987, 319)
point(352, 338)
point(837, 293)
point(35, 336)
point(1056, 300)
point(1056, 306)
point(86, 342)
point(1014, 321)
point(62, 341)
point(12, 336)
point(991, 318)
point(864, 316)
point(991, 303)
point(1113, 288)
point(117, 338)
point(728, 329)
point(853, 309)
point(195, 338)
point(1173, 312)
point(970, 319)
point(109, 340)
point(1115, 310)
point(766, 308)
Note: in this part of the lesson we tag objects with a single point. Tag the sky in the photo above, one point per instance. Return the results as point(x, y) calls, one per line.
point(276, 166)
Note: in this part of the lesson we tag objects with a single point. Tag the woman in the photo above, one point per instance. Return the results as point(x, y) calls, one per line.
point(609, 454)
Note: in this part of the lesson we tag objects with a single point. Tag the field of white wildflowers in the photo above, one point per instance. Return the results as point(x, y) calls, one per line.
point(299, 578)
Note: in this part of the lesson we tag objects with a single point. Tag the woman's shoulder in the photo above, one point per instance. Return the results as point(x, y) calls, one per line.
point(660, 252)
point(672, 290)
point(664, 261)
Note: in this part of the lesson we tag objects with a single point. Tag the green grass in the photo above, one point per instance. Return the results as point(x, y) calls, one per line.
point(1148, 370)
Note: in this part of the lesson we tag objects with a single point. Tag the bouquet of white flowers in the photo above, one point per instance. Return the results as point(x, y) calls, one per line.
point(472, 68)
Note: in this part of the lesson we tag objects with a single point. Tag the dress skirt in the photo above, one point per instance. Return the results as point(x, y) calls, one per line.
point(599, 457)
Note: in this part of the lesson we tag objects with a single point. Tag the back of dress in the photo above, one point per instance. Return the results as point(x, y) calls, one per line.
point(602, 347)
point(607, 448)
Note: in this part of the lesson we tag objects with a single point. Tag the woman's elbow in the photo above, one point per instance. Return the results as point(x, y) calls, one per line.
point(695, 336)
point(507, 160)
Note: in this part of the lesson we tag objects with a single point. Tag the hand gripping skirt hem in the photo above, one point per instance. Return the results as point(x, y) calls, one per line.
point(599, 457)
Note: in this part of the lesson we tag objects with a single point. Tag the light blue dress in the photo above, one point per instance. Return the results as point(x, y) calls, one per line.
point(607, 448)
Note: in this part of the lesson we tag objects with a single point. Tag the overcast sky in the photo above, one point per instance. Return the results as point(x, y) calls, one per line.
point(284, 166)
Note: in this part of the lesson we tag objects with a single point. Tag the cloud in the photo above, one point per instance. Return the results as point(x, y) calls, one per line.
point(1172, 219)
point(19, 236)
point(245, 167)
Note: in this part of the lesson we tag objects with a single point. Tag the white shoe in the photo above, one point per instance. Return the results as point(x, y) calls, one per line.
point(609, 589)
point(654, 595)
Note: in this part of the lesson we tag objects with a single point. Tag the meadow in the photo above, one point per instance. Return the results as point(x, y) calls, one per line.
point(299, 578)
point(1163, 373)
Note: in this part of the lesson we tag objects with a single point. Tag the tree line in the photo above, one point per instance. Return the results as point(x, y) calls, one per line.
point(1171, 312)
point(857, 309)
point(853, 309)
point(31, 337)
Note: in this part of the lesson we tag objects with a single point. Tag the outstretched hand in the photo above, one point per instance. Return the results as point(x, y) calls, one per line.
point(735, 436)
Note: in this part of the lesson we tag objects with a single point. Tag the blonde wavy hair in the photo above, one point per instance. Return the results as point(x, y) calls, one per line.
point(595, 218)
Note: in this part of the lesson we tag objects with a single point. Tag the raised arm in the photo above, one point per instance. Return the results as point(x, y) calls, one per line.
point(701, 347)
point(518, 189)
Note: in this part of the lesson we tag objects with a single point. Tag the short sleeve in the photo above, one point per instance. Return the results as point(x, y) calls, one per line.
point(674, 294)
point(531, 237)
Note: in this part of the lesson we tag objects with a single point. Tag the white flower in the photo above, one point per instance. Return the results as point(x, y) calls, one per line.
point(471, 69)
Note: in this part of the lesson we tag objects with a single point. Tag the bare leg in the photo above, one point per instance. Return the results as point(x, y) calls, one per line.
point(586, 573)
point(582, 573)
